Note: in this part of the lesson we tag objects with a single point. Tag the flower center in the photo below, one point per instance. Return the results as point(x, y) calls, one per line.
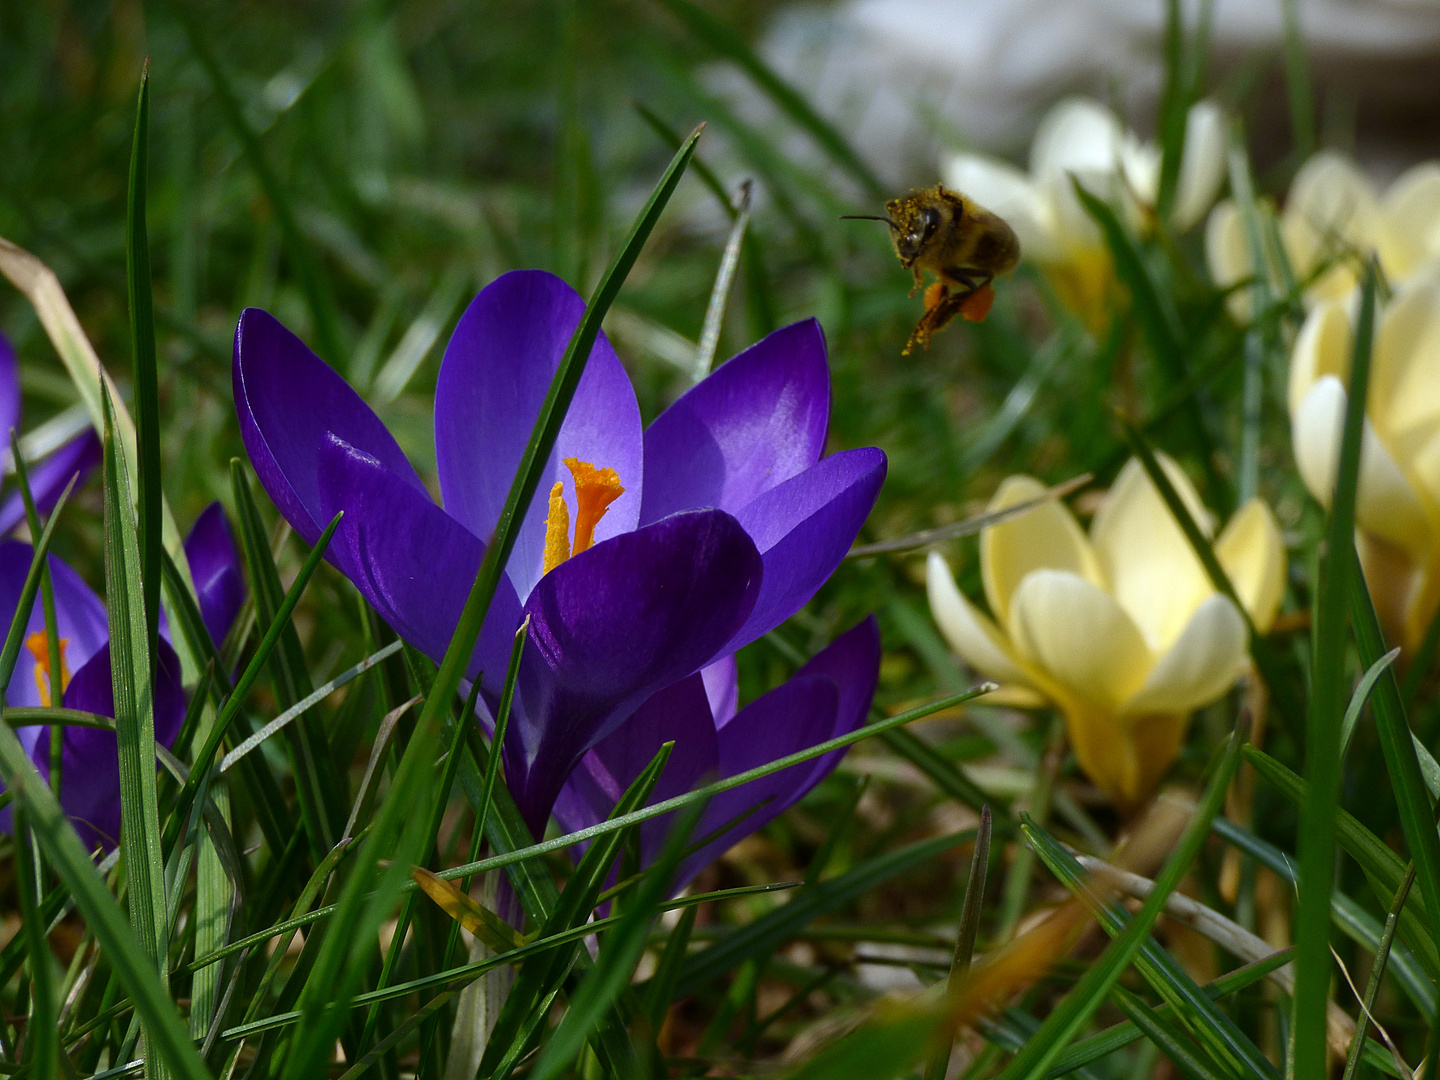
point(595, 490)
point(38, 644)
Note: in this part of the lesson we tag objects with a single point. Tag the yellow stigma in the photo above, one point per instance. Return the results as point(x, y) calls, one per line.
point(557, 529)
point(39, 645)
point(595, 490)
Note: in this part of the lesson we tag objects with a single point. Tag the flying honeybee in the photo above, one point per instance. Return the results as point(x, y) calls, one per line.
point(964, 245)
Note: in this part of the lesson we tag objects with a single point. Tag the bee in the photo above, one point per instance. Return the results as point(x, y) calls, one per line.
point(964, 245)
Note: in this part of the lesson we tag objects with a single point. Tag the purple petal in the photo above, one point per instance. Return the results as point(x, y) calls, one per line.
point(79, 615)
point(215, 569)
point(795, 715)
point(9, 392)
point(612, 626)
point(496, 371)
point(679, 713)
point(410, 559)
point(90, 776)
point(288, 400)
point(722, 687)
point(803, 528)
point(754, 423)
point(853, 661)
point(48, 478)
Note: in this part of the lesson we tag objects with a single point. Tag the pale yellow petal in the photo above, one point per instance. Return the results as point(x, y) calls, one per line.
point(1252, 552)
point(1411, 210)
point(1321, 348)
point(1227, 253)
point(1152, 569)
point(1045, 537)
point(970, 633)
point(1386, 504)
point(1000, 187)
point(1077, 135)
point(1202, 664)
point(1405, 394)
point(1331, 213)
point(1425, 468)
point(1202, 164)
point(1077, 634)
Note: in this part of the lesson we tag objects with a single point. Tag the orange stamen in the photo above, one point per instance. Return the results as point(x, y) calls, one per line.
point(557, 529)
point(595, 490)
point(39, 645)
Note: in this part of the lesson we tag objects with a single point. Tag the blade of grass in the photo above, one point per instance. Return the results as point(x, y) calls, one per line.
point(1187, 1058)
point(1326, 710)
point(1377, 974)
point(964, 939)
point(1297, 84)
point(146, 373)
point(1174, 106)
point(132, 679)
point(42, 1045)
point(720, 292)
point(1065, 1021)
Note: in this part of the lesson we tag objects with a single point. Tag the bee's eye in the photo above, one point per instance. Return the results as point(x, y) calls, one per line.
point(929, 222)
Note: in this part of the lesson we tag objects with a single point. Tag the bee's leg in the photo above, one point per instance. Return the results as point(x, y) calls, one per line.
point(919, 280)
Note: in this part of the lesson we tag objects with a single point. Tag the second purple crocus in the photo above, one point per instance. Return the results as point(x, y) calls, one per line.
point(690, 538)
point(90, 772)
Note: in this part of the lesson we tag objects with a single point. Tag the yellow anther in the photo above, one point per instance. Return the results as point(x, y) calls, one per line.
point(595, 490)
point(557, 529)
point(39, 645)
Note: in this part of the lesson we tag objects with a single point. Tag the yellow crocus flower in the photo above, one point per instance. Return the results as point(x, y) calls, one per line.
point(1083, 139)
point(1397, 507)
point(1120, 630)
point(1332, 214)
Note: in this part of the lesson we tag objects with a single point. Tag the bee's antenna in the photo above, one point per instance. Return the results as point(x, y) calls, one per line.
point(868, 217)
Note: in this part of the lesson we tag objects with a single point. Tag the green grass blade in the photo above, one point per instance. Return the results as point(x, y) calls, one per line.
point(322, 801)
point(1364, 687)
point(1377, 974)
point(132, 679)
point(1174, 106)
point(1065, 1021)
point(1412, 798)
point(965, 937)
point(766, 933)
point(619, 954)
point(731, 45)
point(1187, 1058)
point(147, 381)
point(1327, 708)
point(42, 1044)
point(1297, 83)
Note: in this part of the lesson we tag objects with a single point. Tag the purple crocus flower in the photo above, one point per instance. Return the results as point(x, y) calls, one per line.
point(90, 770)
point(48, 476)
point(828, 697)
point(691, 538)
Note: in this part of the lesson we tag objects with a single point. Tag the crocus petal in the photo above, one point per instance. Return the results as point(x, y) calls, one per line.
point(1227, 254)
point(1331, 208)
point(722, 689)
point(1252, 552)
point(9, 391)
point(411, 560)
point(852, 660)
point(1202, 164)
point(77, 458)
point(1405, 377)
point(1152, 569)
point(1077, 135)
point(1000, 187)
point(79, 614)
point(614, 624)
point(1386, 504)
point(1124, 759)
point(680, 714)
point(496, 372)
point(1321, 348)
point(288, 400)
point(1411, 209)
point(1080, 637)
point(970, 633)
point(1046, 537)
point(754, 423)
point(803, 528)
point(1202, 664)
point(90, 766)
point(215, 569)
